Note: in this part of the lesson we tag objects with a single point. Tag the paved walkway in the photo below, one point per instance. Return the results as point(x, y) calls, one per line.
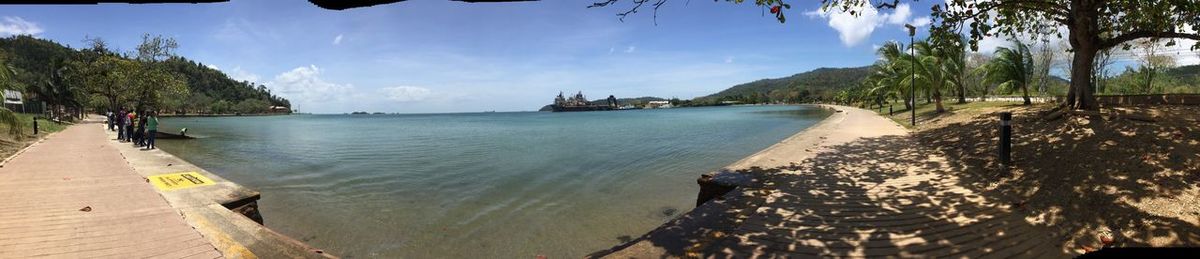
point(74, 196)
point(882, 195)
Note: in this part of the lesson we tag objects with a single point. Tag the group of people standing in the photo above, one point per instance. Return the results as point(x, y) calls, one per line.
point(135, 128)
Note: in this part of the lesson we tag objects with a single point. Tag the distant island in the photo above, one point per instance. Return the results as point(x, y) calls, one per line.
point(819, 85)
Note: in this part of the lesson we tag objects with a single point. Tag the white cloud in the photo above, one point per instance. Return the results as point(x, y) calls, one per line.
point(921, 21)
point(337, 40)
point(630, 49)
point(304, 87)
point(611, 50)
point(405, 93)
point(901, 14)
point(729, 59)
point(213, 67)
point(854, 28)
point(17, 26)
point(242, 75)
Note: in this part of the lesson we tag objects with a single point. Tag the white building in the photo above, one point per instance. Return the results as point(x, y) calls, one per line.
point(658, 105)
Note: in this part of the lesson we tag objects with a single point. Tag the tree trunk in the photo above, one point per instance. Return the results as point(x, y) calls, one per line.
point(962, 92)
point(937, 99)
point(1085, 41)
point(1025, 90)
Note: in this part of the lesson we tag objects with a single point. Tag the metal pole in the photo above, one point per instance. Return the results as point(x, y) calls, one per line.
point(1005, 139)
point(912, 82)
point(35, 125)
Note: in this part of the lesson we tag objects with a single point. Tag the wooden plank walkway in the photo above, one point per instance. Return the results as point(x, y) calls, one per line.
point(74, 196)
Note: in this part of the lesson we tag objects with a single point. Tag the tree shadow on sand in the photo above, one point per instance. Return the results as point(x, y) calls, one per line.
point(883, 196)
point(1080, 174)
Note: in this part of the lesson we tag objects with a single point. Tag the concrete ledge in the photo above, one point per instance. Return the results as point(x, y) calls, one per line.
point(225, 212)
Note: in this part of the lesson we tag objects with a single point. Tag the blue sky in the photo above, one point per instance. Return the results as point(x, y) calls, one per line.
point(443, 56)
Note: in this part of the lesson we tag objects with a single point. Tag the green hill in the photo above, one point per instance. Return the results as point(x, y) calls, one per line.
point(812, 86)
point(39, 66)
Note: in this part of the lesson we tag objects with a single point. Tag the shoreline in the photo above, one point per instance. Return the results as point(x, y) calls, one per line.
point(220, 115)
point(224, 212)
point(719, 216)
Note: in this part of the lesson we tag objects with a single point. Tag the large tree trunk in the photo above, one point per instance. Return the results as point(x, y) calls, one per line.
point(1085, 41)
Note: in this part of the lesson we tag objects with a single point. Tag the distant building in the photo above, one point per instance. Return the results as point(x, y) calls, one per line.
point(14, 100)
point(658, 105)
point(580, 103)
point(279, 109)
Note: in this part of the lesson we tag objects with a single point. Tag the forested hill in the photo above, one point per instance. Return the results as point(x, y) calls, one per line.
point(41, 65)
point(816, 85)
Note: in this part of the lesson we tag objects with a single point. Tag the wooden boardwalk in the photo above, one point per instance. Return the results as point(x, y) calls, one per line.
point(74, 196)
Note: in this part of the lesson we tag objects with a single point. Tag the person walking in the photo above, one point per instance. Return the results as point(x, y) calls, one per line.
point(129, 126)
point(108, 118)
point(120, 121)
point(139, 133)
point(151, 128)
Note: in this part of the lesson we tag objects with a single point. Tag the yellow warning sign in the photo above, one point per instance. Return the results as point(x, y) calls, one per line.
point(176, 181)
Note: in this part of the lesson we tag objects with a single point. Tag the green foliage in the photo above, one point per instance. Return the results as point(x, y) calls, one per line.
point(1181, 80)
point(98, 78)
point(1012, 69)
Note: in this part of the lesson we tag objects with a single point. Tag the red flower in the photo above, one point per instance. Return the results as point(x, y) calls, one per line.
point(775, 9)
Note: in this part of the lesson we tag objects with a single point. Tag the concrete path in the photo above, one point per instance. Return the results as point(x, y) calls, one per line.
point(73, 195)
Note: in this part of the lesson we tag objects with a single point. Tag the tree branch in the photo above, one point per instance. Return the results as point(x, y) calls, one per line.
point(1133, 35)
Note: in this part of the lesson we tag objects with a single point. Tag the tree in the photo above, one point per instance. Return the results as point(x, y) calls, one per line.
point(975, 79)
point(930, 70)
point(155, 48)
point(8, 117)
point(890, 73)
point(1091, 25)
point(1100, 71)
point(1012, 69)
point(105, 77)
point(1043, 61)
point(1152, 62)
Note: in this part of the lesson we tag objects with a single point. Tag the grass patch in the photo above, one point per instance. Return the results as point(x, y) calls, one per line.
point(10, 144)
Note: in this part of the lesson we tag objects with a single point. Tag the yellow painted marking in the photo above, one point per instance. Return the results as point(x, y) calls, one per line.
point(176, 181)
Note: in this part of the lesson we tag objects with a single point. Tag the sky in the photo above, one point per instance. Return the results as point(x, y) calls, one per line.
point(429, 56)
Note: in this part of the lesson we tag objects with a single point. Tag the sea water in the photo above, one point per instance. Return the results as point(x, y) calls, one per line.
point(479, 185)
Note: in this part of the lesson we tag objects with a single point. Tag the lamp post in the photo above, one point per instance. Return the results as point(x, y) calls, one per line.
point(912, 82)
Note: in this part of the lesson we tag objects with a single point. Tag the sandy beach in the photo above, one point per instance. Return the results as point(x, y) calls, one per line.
point(854, 185)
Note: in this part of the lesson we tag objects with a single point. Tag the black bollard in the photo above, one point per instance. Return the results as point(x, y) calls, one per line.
point(1005, 138)
point(35, 127)
point(890, 111)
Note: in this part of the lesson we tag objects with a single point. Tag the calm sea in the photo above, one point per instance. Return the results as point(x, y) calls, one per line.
point(479, 185)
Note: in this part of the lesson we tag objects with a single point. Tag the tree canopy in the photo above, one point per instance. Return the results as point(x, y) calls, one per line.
point(150, 78)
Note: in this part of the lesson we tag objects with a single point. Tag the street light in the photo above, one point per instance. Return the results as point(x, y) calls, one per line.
point(912, 82)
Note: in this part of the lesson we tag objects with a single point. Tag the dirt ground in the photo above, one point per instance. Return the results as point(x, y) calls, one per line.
point(1085, 176)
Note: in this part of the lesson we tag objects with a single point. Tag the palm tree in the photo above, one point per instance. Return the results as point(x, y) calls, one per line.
point(1012, 69)
point(891, 72)
point(8, 117)
point(931, 70)
point(955, 55)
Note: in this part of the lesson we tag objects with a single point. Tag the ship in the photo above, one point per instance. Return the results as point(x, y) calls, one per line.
point(578, 103)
